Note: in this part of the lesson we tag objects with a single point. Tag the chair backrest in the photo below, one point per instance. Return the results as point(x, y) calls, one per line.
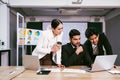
point(46, 60)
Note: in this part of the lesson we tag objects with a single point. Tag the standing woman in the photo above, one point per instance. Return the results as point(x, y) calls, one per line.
point(48, 50)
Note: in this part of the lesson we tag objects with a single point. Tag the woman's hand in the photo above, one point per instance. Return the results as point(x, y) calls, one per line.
point(60, 65)
point(55, 48)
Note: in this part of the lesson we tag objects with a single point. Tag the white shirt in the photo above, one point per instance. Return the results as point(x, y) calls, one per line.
point(45, 43)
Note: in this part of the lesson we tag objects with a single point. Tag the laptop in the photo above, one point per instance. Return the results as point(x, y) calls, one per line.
point(103, 62)
point(31, 62)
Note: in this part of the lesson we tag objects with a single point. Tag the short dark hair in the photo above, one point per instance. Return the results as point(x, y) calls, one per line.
point(91, 31)
point(73, 32)
point(55, 23)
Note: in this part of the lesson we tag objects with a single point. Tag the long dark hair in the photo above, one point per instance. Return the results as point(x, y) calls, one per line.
point(55, 23)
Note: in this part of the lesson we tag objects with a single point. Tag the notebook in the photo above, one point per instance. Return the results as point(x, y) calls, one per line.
point(103, 62)
point(31, 62)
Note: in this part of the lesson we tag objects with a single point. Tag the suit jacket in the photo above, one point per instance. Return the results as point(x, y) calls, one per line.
point(103, 43)
point(70, 58)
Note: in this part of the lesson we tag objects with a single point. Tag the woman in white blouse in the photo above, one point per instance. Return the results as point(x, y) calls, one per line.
point(48, 42)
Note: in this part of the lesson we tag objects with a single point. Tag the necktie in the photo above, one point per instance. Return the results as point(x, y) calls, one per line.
point(95, 50)
point(75, 48)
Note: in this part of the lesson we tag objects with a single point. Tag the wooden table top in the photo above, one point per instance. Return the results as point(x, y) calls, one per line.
point(19, 73)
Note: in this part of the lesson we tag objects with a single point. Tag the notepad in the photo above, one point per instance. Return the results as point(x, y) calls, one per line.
point(74, 70)
point(114, 71)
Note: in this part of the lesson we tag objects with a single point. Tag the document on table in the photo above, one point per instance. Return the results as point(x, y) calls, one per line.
point(114, 71)
point(64, 70)
point(74, 70)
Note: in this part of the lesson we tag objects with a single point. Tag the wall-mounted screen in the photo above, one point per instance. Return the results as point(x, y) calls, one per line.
point(34, 25)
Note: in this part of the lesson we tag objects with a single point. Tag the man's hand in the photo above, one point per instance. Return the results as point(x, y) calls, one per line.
point(79, 50)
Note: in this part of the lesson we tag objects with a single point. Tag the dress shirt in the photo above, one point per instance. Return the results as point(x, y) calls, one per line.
point(45, 43)
point(95, 49)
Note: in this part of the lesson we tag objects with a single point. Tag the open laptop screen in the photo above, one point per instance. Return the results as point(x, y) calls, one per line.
point(104, 62)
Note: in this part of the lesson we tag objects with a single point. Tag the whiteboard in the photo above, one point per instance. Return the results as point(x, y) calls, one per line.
point(67, 26)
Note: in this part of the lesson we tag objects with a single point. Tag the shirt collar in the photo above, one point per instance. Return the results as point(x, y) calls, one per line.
point(72, 45)
point(93, 46)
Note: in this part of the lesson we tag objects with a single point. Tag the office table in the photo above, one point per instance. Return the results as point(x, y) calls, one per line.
point(9, 53)
point(31, 75)
point(9, 72)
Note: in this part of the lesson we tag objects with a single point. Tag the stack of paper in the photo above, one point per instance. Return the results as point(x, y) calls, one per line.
point(74, 70)
point(114, 71)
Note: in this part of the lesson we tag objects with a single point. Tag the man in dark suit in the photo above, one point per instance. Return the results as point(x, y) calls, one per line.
point(97, 43)
point(73, 53)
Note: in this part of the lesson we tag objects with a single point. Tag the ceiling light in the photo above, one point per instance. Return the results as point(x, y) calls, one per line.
point(77, 2)
point(69, 11)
